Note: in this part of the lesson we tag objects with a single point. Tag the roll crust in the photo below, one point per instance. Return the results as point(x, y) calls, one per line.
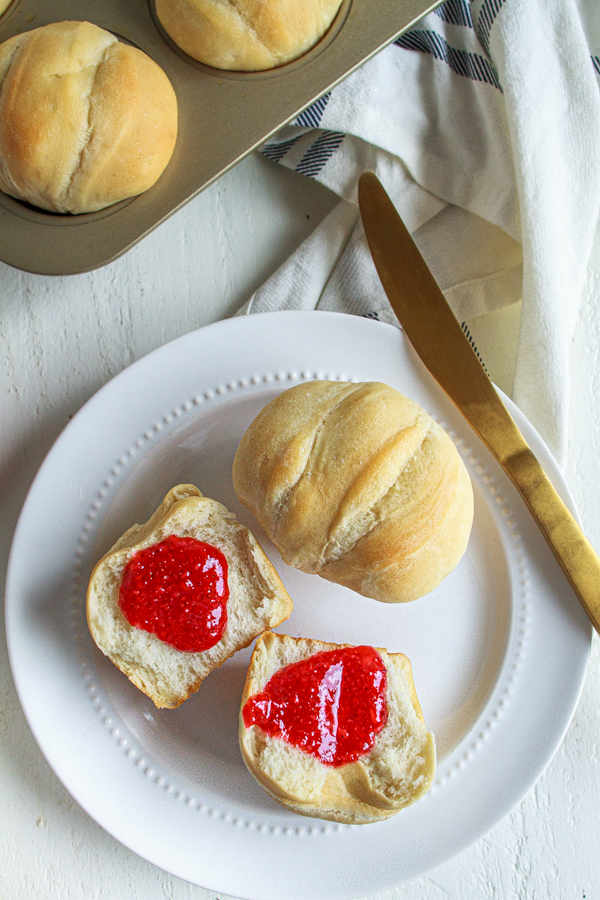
point(358, 484)
point(85, 120)
point(246, 35)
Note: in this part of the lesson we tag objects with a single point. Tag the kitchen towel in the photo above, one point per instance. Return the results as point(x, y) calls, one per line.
point(483, 123)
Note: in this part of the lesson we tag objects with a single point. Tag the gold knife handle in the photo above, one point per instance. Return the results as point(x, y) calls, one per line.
point(576, 556)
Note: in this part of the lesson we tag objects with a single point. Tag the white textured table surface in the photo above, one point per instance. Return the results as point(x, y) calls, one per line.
point(60, 340)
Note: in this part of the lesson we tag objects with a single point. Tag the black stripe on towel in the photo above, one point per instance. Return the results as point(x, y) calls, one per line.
point(311, 117)
point(319, 153)
point(485, 20)
point(596, 64)
point(455, 12)
point(473, 345)
point(276, 152)
point(469, 65)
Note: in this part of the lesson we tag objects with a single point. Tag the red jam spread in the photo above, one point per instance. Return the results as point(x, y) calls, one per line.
point(178, 591)
point(331, 705)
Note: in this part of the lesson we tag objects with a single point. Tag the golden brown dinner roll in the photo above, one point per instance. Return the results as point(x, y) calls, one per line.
point(166, 608)
point(4, 4)
point(85, 120)
point(358, 484)
point(246, 35)
point(334, 731)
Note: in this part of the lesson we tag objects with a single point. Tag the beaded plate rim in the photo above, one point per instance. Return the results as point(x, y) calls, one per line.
point(461, 755)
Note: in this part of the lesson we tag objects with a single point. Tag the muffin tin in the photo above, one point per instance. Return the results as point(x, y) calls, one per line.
point(222, 117)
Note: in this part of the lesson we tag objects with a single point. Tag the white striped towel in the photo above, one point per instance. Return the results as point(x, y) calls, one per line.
point(483, 123)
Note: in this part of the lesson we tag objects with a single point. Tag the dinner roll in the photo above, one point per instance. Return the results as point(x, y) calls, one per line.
point(246, 35)
point(85, 120)
point(358, 484)
point(395, 770)
point(149, 577)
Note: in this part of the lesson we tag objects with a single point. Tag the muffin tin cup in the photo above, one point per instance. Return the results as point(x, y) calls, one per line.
point(223, 115)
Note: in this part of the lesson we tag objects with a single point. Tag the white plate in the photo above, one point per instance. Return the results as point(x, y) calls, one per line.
point(498, 650)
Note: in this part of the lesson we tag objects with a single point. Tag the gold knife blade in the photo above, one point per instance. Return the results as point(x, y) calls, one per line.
point(434, 332)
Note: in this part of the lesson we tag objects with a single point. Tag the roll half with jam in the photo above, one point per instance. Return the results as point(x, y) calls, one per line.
point(176, 597)
point(335, 731)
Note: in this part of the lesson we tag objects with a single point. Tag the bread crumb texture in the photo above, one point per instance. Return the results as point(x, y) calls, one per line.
point(394, 774)
point(358, 484)
point(257, 598)
point(246, 35)
point(85, 120)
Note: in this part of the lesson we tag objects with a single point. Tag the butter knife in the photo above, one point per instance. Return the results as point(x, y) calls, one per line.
point(437, 337)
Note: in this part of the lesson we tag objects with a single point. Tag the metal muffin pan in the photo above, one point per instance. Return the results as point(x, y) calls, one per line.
point(222, 117)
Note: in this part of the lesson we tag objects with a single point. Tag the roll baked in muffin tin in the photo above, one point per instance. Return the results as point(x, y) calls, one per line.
point(223, 115)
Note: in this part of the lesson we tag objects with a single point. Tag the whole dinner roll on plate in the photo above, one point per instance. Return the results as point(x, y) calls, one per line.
point(85, 120)
point(358, 484)
point(246, 35)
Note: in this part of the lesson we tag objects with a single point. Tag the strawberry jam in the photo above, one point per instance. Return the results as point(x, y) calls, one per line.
point(178, 591)
point(331, 705)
